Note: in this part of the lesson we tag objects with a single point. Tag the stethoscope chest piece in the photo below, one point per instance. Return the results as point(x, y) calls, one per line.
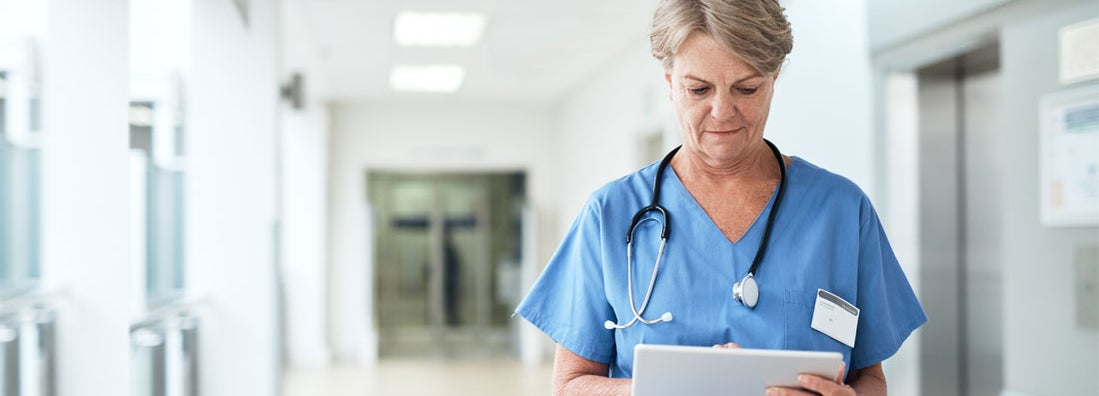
point(746, 291)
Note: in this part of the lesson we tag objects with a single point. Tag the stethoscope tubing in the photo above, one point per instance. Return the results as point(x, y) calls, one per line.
point(774, 210)
point(648, 294)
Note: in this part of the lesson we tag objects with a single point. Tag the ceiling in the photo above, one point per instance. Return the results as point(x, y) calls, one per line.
point(531, 50)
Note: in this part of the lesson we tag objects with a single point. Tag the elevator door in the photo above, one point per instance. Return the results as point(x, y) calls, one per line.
point(446, 252)
point(960, 240)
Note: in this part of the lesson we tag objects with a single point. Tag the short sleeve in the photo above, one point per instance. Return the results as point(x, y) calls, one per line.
point(568, 302)
point(888, 308)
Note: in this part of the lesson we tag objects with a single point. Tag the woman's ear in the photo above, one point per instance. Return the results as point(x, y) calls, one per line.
point(668, 78)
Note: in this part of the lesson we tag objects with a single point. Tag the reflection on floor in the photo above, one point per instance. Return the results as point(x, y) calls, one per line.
point(447, 344)
point(423, 377)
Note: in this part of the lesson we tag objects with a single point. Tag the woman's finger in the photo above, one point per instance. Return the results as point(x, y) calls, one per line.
point(824, 386)
point(783, 391)
point(727, 345)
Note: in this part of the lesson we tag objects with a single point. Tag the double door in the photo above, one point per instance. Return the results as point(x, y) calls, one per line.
point(446, 262)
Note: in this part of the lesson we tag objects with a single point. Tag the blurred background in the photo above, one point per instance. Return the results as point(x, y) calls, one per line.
point(349, 197)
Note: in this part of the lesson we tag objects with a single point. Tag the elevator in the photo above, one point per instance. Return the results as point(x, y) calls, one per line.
point(961, 274)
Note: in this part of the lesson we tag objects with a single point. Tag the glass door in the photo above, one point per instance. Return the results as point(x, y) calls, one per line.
point(446, 246)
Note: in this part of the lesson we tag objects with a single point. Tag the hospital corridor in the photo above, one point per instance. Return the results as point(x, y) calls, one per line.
point(429, 197)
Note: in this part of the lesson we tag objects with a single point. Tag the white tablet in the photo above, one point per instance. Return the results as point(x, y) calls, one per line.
point(693, 370)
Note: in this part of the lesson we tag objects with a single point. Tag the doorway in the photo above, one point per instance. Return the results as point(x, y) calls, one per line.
point(960, 222)
point(447, 257)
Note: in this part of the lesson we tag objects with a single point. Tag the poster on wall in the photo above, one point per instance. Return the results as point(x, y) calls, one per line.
point(1069, 157)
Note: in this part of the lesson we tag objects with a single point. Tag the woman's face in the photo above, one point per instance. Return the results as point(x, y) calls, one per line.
point(721, 102)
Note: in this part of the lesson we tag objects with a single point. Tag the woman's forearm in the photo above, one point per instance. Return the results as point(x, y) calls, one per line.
point(868, 381)
point(575, 375)
point(593, 385)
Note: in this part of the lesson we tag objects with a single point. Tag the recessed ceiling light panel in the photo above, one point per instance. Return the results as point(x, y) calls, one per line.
point(438, 29)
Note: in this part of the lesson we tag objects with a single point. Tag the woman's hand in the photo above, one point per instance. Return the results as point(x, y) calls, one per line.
point(870, 379)
point(818, 386)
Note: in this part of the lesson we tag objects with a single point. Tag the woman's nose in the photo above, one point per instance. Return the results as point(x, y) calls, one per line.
point(722, 107)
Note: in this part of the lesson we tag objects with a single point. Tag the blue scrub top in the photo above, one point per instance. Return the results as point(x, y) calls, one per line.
point(826, 235)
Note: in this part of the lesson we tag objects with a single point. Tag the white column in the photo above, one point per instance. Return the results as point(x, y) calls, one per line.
point(231, 105)
point(531, 340)
point(304, 219)
point(902, 216)
point(85, 191)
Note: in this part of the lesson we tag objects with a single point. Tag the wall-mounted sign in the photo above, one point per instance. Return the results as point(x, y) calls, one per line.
point(1079, 52)
point(1069, 167)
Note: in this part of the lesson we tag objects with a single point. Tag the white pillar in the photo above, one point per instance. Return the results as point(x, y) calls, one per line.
point(85, 191)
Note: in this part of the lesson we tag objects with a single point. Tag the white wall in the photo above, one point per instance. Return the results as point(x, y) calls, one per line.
point(231, 97)
point(422, 134)
point(603, 124)
point(894, 21)
point(304, 199)
point(901, 215)
point(1045, 353)
point(85, 191)
point(822, 106)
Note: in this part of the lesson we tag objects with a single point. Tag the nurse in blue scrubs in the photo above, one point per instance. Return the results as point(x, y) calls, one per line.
point(728, 199)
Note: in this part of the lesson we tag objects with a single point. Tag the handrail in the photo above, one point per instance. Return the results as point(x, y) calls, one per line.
point(28, 317)
point(15, 301)
point(166, 349)
point(174, 311)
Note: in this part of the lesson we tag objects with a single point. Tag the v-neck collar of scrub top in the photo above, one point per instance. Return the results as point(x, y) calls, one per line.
point(689, 200)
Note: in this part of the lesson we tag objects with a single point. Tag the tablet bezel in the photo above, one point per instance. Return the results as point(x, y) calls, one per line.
point(695, 370)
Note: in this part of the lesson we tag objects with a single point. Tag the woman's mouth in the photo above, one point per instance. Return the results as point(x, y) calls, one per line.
point(724, 131)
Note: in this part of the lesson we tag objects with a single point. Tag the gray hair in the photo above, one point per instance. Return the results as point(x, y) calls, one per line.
point(755, 30)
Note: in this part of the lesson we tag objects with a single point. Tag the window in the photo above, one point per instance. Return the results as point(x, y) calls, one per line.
point(158, 180)
point(19, 166)
point(159, 32)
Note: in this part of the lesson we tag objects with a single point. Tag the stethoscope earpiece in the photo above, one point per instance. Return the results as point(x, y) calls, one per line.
point(666, 317)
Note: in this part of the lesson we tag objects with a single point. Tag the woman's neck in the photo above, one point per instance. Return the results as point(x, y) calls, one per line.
point(757, 166)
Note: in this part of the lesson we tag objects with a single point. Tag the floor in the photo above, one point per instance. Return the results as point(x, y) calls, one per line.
point(423, 377)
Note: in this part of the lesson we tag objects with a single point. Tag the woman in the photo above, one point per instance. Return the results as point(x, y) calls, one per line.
point(776, 227)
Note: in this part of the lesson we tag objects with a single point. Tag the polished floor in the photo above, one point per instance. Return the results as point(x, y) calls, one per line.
point(423, 377)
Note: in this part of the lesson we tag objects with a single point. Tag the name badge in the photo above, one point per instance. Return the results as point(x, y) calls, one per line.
point(835, 317)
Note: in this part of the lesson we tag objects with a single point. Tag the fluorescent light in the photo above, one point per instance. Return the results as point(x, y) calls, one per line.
point(426, 78)
point(438, 29)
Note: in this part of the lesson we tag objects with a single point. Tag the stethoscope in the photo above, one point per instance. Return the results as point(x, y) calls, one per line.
point(746, 291)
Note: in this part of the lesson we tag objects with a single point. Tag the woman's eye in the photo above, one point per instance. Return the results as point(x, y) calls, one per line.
point(699, 91)
point(747, 91)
